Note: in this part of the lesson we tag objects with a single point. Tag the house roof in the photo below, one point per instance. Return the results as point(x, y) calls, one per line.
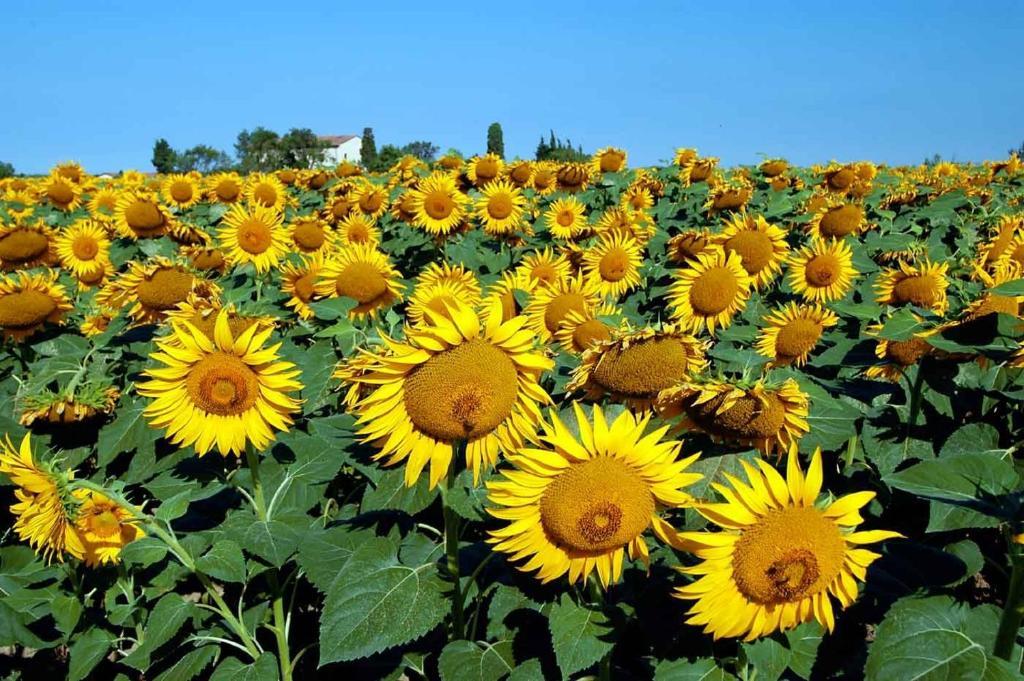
point(336, 139)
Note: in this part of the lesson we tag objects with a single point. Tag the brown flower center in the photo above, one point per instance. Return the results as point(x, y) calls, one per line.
point(222, 384)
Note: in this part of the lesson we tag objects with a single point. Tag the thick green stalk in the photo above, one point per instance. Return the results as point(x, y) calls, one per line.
point(451, 544)
point(253, 461)
point(597, 595)
point(915, 403)
point(1013, 609)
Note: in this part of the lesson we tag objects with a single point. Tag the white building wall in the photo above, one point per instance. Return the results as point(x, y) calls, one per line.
point(346, 151)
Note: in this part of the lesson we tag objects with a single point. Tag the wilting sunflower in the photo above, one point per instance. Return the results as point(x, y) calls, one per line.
point(458, 379)
point(253, 234)
point(500, 207)
point(781, 555)
point(540, 269)
point(298, 281)
point(62, 193)
point(362, 274)
point(139, 215)
point(792, 331)
point(45, 507)
point(438, 296)
point(566, 218)
point(760, 415)
point(357, 229)
point(635, 367)
point(266, 191)
point(579, 331)
point(709, 291)
point(181, 190)
point(309, 234)
point(822, 271)
point(27, 245)
point(28, 301)
point(480, 170)
point(837, 219)
point(608, 160)
point(153, 289)
point(897, 355)
point(104, 528)
point(578, 502)
point(612, 265)
point(438, 204)
point(84, 249)
point(222, 392)
point(550, 304)
point(761, 246)
point(102, 204)
point(224, 187)
point(922, 285)
point(86, 400)
point(572, 177)
point(683, 248)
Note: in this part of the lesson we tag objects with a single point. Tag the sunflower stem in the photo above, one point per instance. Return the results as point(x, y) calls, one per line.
point(451, 544)
point(1013, 608)
point(597, 595)
point(253, 461)
point(915, 404)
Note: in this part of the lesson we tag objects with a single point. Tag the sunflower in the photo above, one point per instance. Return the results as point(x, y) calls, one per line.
point(102, 204)
point(697, 170)
point(612, 266)
point(265, 191)
point(579, 500)
point(520, 173)
point(202, 314)
point(822, 271)
point(153, 289)
point(566, 218)
point(683, 155)
point(457, 379)
point(85, 401)
point(205, 258)
point(357, 229)
point(484, 169)
point(338, 205)
point(181, 190)
point(104, 528)
point(773, 167)
point(837, 219)
point(579, 331)
point(709, 291)
point(28, 301)
point(224, 187)
point(728, 194)
point(1003, 237)
point(636, 198)
point(403, 208)
point(347, 169)
point(550, 304)
point(84, 249)
point(626, 222)
point(545, 177)
point(438, 204)
point(298, 282)
point(636, 367)
point(608, 160)
point(26, 246)
point(683, 248)
point(20, 204)
point(977, 325)
point(139, 215)
point(759, 415)
point(62, 193)
point(897, 355)
point(370, 200)
point(781, 553)
point(436, 273)
point(541, 269)
point(309, 234)
point(500, 207)
point(572, 177)
point(439, 296)
point(221, 392)
point(792, 331)
point(503, 291)
point(761, 246)
point(253, 234)
point(362, 274)
point(922, 285)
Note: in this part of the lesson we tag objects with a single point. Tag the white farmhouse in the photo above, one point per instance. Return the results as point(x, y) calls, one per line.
point(341, 148)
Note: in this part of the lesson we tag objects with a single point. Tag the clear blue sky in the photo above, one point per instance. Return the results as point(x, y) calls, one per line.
point(887, 81)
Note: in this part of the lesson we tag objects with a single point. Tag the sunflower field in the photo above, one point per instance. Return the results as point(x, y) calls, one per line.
point(485, 420)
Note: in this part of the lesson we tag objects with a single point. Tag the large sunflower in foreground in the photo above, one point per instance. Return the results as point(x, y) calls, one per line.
point(220, 393)
point(792, 331)
point(579, 501)
point(822, 271)
point(709, 291)
point(922, 285)
point(761, 246)
point(253, 234)
point(458, 379)
point(761, 415)
point(28, 301)
point(362, 274)
point(612, 265)
point(634, 367)
point(438, 204)
point(782, 554)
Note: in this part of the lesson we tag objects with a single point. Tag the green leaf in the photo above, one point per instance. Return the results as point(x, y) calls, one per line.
point(1009, 288)
point(703, 669)
point(190, 665)
point(87, 651)
point(165, 620)
point(232, 669)
point(970, 439)
point(527, 671)
point(391, 494)
point(832, 420)
point(505, 601)
point(936, 638)
point(175, 507)
point(144, 552)
point(579, 635)
point(375, 603)
point(66, 611)
point(803, 647)
point(224, 561)
point(274, 541)
point(325, 553)
point(469, 661)
point(978, 481)
point(128, 432)
point(902, 325)
point(768, 657)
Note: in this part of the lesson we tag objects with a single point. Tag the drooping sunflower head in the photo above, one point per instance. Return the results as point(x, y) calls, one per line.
point(88, 399)
point(566, 218)
point(482, 170)
point(458, 378)
point(1004, 236)
point(781, 555)
point(839, 178)
point(181, 191)
point(683, 248)
point(697, 169)
point(205, 258)
point(347, 169)
point(612, 265)
point(309, 234)
point(253, 233)
point(761, 415)
point(27, 245)
point(608, 160)
point(266, 191)
point(635, 367)
point(403, 207)
point(773, 167)
point(761, 246)
point(923, 285)
point(139, 215)
point(541, 269)
point(709, 291)
point(897, 355)
point(29, 301)
point(550, 304)
point(791, 332)
point(438, 204)
point(224, 187)
point(683, 156)
point(153, 289)
point(578, 502)
point(728, 194)
point(61, 193)
point(500, 207)
point(84, 249)
point(837, 219)
point(219, 393)
point(362, 274)
point(314, 178)
point(822, 271)
point(580, 331)
point(572, 177)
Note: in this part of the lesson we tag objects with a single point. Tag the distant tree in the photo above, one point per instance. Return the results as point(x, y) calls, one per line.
point(258, 150)
point(164, 158)
point(495, 140)
point(556, 150)
point(203, 158)
point(933, 160)
point(368, 149)
point(1018, 152)
point(542, 149)
point(6, 170)
point(388, 156)
point(301, 148)
point(424, 151)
